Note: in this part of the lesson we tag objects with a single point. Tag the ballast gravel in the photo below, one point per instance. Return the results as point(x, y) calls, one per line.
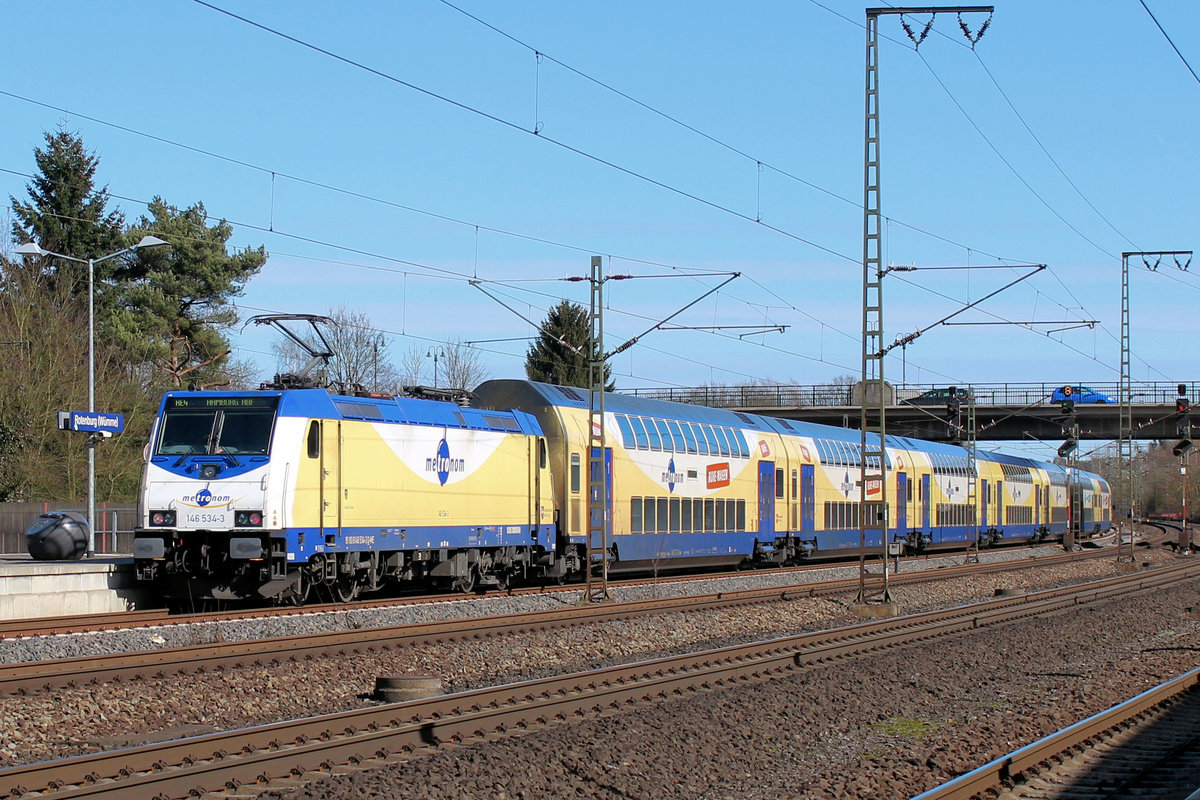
point(909, 719)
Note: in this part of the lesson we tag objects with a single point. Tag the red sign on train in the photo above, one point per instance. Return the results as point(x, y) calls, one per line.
point(717, 475)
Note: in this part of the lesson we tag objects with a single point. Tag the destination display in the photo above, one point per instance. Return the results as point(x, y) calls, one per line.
point(215, 402)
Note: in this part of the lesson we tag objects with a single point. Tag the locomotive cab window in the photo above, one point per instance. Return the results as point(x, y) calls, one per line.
point(314, 439)
point(217, 426)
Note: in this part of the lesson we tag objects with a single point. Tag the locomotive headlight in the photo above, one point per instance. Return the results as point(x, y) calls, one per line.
point(162, 519)
point(208, 471)
point(248, 519)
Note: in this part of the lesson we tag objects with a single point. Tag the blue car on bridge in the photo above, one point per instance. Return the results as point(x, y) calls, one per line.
point(1080, 394)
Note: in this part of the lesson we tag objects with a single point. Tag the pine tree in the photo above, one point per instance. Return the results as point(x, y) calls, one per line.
point(550, 361)
point(67, 214)
point(172, 303)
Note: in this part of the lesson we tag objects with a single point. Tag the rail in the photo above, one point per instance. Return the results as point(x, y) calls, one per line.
point(190, 767)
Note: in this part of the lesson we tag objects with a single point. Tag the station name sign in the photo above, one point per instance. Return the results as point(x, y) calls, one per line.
point(91, 422)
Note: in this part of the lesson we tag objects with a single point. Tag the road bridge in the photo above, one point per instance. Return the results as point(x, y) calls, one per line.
point(1010, 411)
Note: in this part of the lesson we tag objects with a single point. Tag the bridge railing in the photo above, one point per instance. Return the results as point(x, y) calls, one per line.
point(793, 395)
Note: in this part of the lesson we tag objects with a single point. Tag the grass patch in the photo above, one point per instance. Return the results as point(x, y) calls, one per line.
point(907, 728)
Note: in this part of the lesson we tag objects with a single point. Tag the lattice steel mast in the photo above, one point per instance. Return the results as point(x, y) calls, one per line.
point(873, 505)
point(1127, 512)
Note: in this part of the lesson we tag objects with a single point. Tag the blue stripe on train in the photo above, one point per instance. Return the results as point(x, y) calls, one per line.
point(413, 537)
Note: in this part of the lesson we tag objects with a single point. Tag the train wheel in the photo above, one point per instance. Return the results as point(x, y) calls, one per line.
point(346, 589)
point(503, 580)
point(465, 583)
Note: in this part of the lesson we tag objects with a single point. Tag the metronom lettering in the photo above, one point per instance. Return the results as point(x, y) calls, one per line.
point(439, 464)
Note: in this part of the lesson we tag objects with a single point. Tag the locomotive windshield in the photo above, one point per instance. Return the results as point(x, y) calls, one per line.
point(217, 426)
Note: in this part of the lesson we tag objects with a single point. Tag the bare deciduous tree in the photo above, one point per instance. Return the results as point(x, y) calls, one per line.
point(361, 356)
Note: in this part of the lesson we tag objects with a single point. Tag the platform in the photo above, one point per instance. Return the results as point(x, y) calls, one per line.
point(30, 588)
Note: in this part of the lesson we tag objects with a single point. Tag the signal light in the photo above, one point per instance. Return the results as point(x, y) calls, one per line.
point(1182, 405)
point(1067, 447)
point(1182, 447)
point(1068, 406)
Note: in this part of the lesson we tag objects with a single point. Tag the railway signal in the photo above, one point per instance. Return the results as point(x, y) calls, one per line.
point(1067, 447)
point(1068, 406)
point(1182, 447)
point(1183, 409)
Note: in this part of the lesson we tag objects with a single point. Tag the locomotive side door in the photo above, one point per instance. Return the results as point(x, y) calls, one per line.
point(999, 523)
point(766, 499)
point(901, 502)
point(331, 477)
point(807, 501)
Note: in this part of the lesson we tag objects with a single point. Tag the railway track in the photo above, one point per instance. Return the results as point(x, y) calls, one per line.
point(1146, 747)
point(374, 736)
point(26, 677)
point(47, 626)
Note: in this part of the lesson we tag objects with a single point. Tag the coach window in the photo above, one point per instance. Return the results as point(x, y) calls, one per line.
point(795, 486)
point(713, 447)
point(639, 433)
point(779, 484)
point(722, 442)
point(574, 473)
point(626, 432)
point(665, 434)
point(687, 515)
point(650, 515)
point(314, 439)
point(541, 453)
point(689, 437)
point(697, 515)
point(741, 515)
point(664, 524)
point(676, 436)
point(701, 444)
point(635, 515)
point(652, 432)
point(710, 516)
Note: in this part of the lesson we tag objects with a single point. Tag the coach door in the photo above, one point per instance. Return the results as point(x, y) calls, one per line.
point(999, 523)
point(766, 499)
point(925, 502)
point(983, 507)
point(901, 502)
point(807, 501)
point(331, 477)
point(598, 534)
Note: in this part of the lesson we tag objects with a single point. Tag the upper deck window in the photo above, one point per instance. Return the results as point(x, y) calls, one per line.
point(665, 432)
point(626, 432)
point(639, 431)
point(217, 426)
point(652, 432)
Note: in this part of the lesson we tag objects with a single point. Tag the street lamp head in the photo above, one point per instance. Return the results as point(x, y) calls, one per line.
point(149, 241)
point(30, 249)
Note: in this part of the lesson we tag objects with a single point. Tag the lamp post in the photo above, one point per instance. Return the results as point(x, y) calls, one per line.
point(435, 353)
point(34, 249)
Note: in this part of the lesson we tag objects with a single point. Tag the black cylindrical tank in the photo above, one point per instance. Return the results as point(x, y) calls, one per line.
point(57, 536)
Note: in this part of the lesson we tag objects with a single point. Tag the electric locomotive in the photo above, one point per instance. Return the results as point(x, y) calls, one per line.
point(276, 494)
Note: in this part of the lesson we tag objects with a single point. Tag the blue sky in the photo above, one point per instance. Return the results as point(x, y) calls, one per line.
point(392, 189)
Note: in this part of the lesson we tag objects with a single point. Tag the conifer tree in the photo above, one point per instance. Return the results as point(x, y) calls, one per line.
point(551, 361)
point(67, 214)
